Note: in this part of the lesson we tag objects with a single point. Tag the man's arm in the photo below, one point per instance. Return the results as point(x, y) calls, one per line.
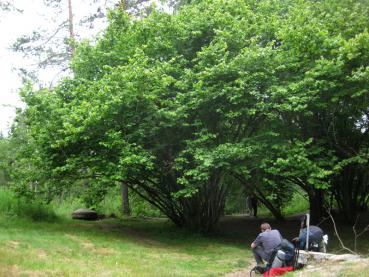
point(256, 242)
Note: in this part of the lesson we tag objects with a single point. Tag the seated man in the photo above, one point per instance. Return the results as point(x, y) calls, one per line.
point(265, 243)
point(315, 237)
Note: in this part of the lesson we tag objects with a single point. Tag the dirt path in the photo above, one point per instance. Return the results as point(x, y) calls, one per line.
point(242, 273)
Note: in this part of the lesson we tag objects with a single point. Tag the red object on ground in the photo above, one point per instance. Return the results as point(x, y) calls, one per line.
point(277, 271)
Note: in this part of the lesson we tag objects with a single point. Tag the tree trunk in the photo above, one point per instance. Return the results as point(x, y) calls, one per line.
point(125, 200)
point(261, 197)
point(316, 201)
point(275, 212)
point(71, 28)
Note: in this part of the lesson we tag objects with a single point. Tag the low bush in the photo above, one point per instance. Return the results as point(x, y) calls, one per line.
point(298, 204)
point(12, 205)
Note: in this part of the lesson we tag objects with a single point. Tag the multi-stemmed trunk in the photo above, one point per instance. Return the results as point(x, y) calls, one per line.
point(316, 203)
point(351, 191)
point(200, 211)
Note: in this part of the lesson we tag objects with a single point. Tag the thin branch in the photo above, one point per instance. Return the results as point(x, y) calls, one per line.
point(56, 75)
point(338, 236)
point(60, 27)
point(357, 235)
point(323, 220)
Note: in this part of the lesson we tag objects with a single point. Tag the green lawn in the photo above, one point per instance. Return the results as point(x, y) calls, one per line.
point(114, 247)
point(142, 247)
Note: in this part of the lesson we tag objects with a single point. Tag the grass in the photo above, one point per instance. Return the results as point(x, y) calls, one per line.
point(12, 206)
point(59, 246)
point(129, 247)
point(42, 240)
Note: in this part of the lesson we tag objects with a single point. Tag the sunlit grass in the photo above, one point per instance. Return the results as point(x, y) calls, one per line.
point(112, 248)
point(31, 246)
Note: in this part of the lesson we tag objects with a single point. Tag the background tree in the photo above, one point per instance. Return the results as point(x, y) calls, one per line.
point(327, 92)
point(51, 47)
point(5, 161)
point(269, 95)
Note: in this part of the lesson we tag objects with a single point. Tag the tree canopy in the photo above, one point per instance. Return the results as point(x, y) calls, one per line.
point(266, 94)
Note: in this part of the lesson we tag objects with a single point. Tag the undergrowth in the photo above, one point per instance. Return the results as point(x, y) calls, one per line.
point(12, 205)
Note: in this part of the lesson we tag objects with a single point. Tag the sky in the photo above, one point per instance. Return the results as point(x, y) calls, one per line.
point(12, 26)
point(35, 15)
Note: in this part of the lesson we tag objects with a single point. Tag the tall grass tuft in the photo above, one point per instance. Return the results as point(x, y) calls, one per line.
point(112, 204)
point(64, 207)
point(13, 206)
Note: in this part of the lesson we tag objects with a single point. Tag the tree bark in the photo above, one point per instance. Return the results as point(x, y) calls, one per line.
point(125, 199)
point(316, 201)
point(71, 28)
point(275, 212)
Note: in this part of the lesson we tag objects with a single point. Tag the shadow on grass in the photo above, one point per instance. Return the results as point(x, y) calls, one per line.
point(233, 231)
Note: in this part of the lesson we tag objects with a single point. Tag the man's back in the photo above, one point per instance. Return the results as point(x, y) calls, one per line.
point(269, 240)
point(315, 233)
point(315, 236)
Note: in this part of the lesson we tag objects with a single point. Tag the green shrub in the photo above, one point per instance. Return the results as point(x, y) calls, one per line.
point(298, 204)
point(111, 205)
point(11, 205)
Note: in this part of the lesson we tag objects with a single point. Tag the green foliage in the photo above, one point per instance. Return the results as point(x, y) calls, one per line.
point(298, 204)
point(13, 206)
point(141, 208)
point(263, 94)
point(112, 205)
point(5, 160)
point(64, 207)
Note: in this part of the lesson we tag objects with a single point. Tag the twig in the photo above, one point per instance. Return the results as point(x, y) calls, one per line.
point(338, 236)
point(324, 219)
point(357, 235)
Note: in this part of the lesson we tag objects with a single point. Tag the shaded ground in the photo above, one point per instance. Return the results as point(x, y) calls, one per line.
point(249, 227)
point(246, 228)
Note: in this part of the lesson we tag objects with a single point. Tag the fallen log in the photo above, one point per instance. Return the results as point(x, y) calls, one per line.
point(85, 214)
point(309, 256)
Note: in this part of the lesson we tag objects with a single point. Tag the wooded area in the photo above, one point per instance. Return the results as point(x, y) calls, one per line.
point(215, 98)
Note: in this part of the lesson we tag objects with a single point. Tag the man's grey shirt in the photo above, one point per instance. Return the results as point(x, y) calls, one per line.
point(268, 240)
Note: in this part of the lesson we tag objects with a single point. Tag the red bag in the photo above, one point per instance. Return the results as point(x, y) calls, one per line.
point(277, 271)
